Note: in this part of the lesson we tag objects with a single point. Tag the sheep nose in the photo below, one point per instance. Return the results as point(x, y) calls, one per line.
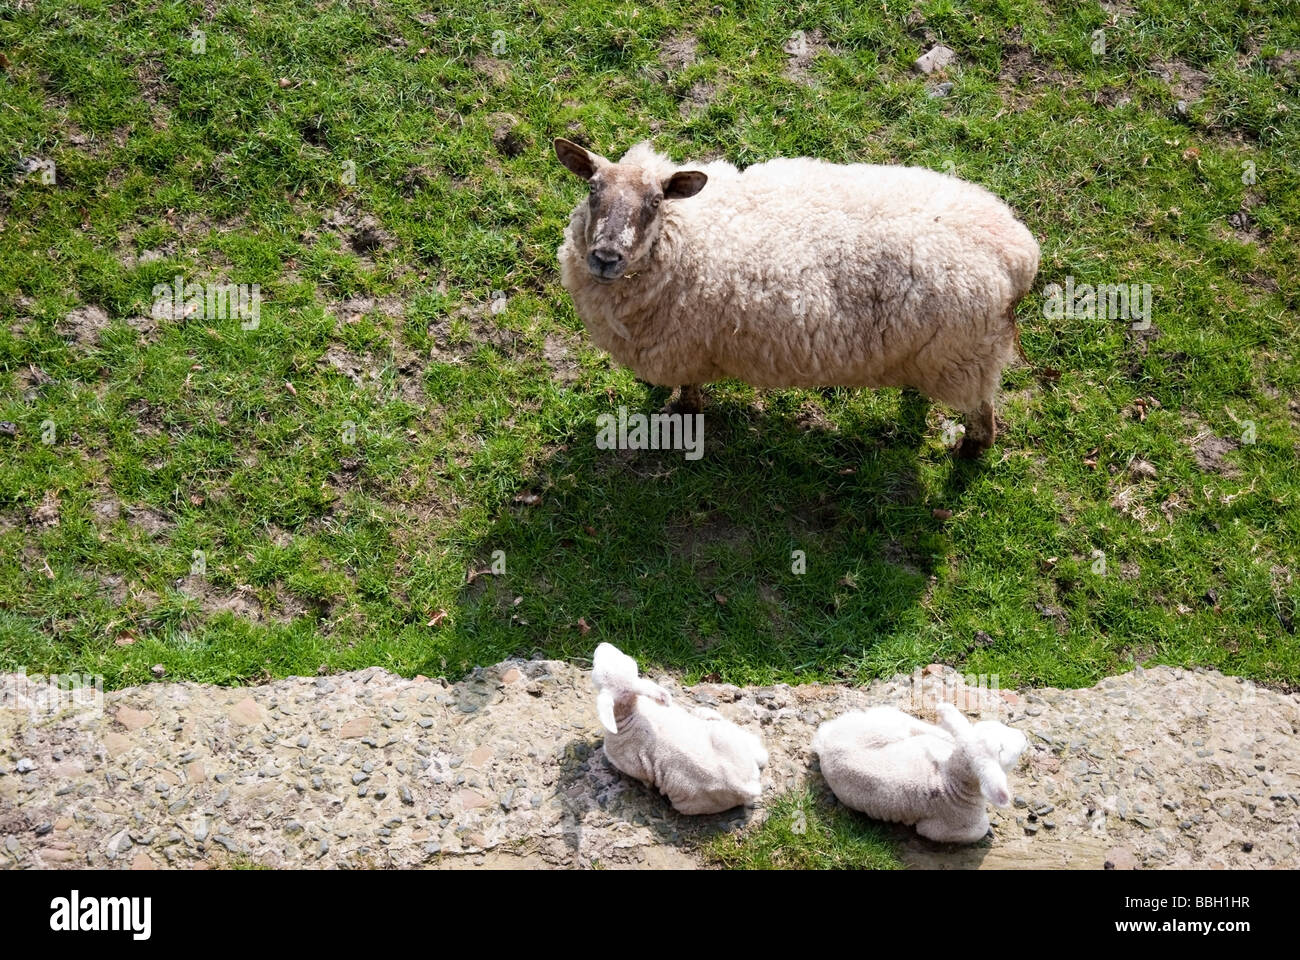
point(606, 263)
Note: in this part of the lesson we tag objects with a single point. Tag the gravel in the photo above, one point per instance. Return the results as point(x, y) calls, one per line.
point(1155, 768)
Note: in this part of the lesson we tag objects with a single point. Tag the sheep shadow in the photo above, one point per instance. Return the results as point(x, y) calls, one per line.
point(789, 548)
point(588, 783)
point(912, 850)
point(591, 789)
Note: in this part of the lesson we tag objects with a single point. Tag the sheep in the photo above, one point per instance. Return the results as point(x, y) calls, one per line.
point(894, 767)
point(701, 761)
point(798, 273)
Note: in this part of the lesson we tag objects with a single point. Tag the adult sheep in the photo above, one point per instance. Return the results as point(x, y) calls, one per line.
point(798, 273)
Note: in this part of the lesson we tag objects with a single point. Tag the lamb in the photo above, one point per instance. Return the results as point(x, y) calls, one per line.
point(701, 761)
point(798, 273)
point(894, 767)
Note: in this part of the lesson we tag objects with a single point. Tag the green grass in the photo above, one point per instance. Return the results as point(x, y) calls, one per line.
point(235, 442)
point(805, 832)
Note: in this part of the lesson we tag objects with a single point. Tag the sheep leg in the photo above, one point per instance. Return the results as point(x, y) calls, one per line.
point(980, 431)
point(942, 831)
point(689, 399)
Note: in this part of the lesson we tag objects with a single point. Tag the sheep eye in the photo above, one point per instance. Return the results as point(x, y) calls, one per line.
point(655, 201)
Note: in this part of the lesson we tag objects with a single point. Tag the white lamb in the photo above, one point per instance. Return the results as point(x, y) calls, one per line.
point(798, 273)
point(894, 767)
point(701, 761)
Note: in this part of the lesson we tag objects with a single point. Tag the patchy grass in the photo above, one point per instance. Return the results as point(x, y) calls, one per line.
point(310, 495)
point(807, 832)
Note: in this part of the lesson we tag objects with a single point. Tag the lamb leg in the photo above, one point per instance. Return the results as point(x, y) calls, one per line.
point(980, 430)
point(689, 399)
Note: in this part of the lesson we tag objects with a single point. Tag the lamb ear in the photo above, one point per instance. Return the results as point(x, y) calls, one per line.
point(577, 159)
point(605, 710)
point(648, 688)
point(683, 184)
point(951, 719)
point(993, 783)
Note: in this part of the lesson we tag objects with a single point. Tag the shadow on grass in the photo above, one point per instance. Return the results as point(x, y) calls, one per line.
point(789, 551)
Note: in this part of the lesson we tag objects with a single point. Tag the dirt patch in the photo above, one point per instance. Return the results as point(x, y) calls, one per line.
point(1242, 221)
point(31, 379)
point(106, 510)
point(697, 97)
point(897, 554)
point(1209, 449)
point(148, 418)
point(374, 375)
point(452, 347)
point(242, 601)
point(509, 135)
point(801, 50)
point(811, 416)
point(131, 259)
point(358, 232)
point(214, 600)
point(1185, 82)
point(145, 326)
point(152, 523)
point(560, 355)
point(1057, 615)
point(418, 179)
point(1022, 78)
point(498, 71)
point(83, 325)
point(678, 52)
point(352, 310)
point(1285, 61)
point(692, 541)
point(821, 518)
point(46, 514)
point(122, 593)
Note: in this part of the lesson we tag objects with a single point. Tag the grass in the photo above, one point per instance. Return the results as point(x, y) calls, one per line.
point(805, 832)
point(309, 496)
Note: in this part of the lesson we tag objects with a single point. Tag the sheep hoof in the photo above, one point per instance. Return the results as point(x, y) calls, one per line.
point(688, 400)
point(970, 449)
point(981, 427)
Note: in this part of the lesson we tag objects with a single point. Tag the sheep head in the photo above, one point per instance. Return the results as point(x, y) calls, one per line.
point(625, 213)
point(983, 750)
point(615, 676)
point(1006, 743)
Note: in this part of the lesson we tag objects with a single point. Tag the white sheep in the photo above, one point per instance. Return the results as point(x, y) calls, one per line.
point(798, 273)
point(894, 767)
point(701, 761)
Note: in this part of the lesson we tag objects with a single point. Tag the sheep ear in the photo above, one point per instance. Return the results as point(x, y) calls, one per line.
point(605, 710)
point(951, 719)
point(577, 159)
point(683, 184)
point(993, 783)
point(648, 688)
